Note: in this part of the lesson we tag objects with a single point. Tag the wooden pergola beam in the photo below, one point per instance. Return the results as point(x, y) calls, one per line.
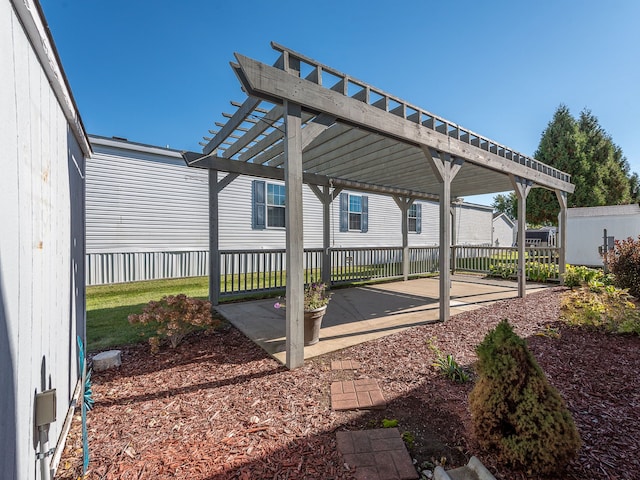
point(276, 85)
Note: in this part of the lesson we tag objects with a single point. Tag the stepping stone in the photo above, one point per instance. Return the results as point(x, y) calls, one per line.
point(363, 394)
point(344, 365)
point(378, 454)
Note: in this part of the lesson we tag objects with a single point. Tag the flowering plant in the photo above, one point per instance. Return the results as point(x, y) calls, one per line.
point(174, 316)
point(315, 296)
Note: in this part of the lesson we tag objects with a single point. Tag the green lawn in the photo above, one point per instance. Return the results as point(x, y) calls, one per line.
point(108, 307)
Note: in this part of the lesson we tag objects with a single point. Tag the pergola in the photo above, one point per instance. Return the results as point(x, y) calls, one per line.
point(305, 122)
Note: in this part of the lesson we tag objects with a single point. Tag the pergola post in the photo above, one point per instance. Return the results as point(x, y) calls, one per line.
point(326, 197)
point(454, 236)
point(294, 236)
point(522, 186)
point(561, 242)
point(404, 204)
point(445, 168)
point(215, 187)
point(214, 240)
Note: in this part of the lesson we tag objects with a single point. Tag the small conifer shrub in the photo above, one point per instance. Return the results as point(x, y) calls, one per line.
point(515, 411)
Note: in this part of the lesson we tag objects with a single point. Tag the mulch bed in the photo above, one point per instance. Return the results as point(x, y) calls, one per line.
point(218, 407)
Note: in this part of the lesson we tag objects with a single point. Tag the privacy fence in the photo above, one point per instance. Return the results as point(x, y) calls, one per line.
point(254, 271)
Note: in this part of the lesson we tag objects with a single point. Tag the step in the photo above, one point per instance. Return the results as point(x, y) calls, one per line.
point(474, 470)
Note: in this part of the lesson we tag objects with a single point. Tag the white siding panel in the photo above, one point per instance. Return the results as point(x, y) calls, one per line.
point(9, 249)
point(585, 234)
point(41, 244)
point(503, 232)
point(145, 204)
point(143, 200)
point(473, 224)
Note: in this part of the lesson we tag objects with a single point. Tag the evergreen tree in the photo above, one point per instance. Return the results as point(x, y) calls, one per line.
point(597, 166)
point(515, 411)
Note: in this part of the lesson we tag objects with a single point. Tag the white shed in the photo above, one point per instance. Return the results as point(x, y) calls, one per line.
point(504, 230)
point(147, 216)
point(42, 304)
point(586, 225)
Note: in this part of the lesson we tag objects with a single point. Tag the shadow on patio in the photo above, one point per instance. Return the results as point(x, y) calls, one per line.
point(360, 314)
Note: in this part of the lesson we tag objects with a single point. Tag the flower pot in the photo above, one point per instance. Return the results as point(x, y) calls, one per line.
point(312, 322)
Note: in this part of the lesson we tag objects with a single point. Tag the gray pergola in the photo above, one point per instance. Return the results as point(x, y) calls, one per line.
point(305, 122)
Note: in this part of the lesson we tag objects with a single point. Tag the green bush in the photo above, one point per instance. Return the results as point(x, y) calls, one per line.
point(578, 275)
point(601, 306)
point(515, 411)
point(174, 316)
point(624, 263)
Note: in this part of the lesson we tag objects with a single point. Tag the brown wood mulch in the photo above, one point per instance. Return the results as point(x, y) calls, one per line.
point(218, 407)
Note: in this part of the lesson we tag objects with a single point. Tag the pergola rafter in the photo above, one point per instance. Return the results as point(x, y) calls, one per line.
point(304, 121)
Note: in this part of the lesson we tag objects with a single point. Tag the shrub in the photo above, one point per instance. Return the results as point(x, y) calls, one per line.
point(175, 316)
point(624, 263)
point(578, 275)
point(601, 306)
point(514, 409)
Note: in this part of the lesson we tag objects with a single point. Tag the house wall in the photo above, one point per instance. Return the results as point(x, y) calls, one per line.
point(147, 216)
point(503, 232)
point(42, 236)
point(473, 224)
point(585, 229)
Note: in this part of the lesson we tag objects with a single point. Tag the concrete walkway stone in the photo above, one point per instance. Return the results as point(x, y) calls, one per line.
point(345, 365)
point(363, 394)
point(378, 454)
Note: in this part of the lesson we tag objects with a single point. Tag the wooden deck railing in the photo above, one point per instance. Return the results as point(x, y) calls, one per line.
point(251, 271)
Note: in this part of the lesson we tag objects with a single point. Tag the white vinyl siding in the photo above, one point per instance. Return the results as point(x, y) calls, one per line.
point(41, 242)
point(147, 216)
point(473, 224)
point(145, 203)
point(585, 230)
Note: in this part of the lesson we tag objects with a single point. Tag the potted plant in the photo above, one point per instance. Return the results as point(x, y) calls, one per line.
point(316, 299)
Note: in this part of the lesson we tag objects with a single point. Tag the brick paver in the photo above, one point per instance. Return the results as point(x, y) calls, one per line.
point(345, 365)
point(363, 394)
point(376, 454)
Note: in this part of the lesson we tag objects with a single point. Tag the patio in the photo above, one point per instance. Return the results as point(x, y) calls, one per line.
point(359, 314)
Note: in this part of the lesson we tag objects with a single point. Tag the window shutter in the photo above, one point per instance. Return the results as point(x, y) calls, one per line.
point(418, 218)
point(344, 212)
point(365, 214)
point(258, 205)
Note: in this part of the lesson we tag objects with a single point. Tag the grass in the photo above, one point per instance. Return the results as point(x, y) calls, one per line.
point(108, 307)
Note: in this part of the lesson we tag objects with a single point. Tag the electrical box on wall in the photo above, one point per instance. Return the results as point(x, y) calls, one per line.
point(45, 407)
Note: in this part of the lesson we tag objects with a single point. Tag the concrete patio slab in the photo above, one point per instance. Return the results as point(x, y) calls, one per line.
point(360, 314)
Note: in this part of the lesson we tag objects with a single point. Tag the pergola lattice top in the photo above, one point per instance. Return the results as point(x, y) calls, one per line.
point(360, 136)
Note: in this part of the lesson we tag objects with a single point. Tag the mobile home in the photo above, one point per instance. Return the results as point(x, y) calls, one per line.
point(147, 216)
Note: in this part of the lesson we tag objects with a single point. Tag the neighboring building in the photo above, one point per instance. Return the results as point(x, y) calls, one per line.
point(42, 303)
point(586, 226)
point(541, 237)
point(147, 216)
point(504, 230)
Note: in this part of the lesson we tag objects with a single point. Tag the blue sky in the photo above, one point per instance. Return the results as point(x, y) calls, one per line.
point(158, 72)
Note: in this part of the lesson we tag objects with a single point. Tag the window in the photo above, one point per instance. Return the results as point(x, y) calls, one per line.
point(268, 205)
point(414, 218)
point(275, 205)
point(354, 213)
